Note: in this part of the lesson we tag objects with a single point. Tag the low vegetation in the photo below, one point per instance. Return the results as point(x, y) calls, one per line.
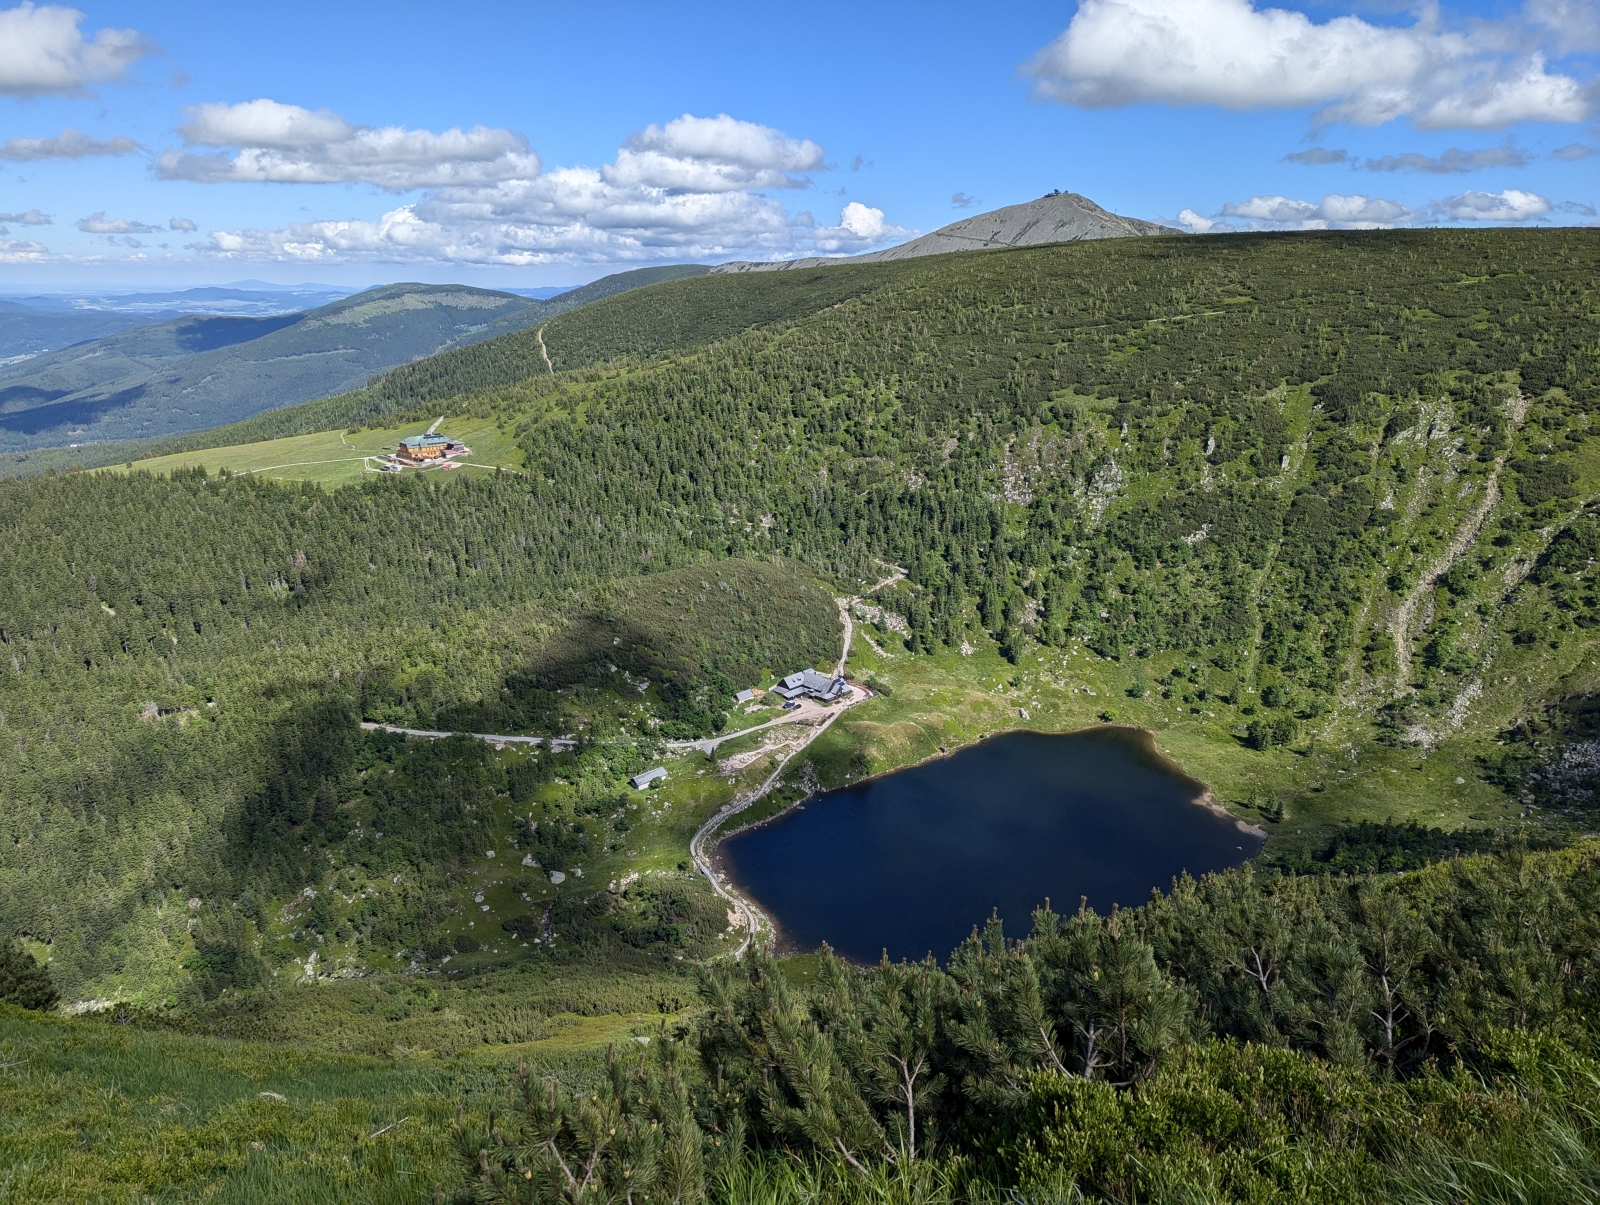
point(1424, 1036)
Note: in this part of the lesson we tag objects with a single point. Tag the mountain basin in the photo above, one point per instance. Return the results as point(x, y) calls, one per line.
point(907, 863)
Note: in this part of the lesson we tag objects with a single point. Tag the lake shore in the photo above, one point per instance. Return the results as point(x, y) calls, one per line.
point(1137, 744)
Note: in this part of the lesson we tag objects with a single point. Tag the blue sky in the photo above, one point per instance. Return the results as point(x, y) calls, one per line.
point(510, 144)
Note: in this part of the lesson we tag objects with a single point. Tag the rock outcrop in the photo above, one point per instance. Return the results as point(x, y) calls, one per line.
point(1060, 217)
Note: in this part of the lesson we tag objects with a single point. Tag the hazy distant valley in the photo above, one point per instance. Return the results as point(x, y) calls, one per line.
point(102, 370)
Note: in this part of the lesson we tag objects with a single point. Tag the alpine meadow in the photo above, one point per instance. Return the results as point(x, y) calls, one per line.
point(1318, 511)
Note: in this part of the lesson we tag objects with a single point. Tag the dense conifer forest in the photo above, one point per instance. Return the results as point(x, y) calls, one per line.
point(1319, 509)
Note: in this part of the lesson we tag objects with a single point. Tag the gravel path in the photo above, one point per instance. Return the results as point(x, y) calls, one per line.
point(497, 739)
point(754, 918)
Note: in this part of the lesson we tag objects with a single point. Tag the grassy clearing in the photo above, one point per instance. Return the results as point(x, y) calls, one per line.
point(538, 1005)
point(334, 458)
point(93, 1111)
point(343, 1091)
point(1334, 774)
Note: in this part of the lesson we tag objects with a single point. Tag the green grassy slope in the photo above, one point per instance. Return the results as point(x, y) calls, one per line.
point(671, 316)
point(335, 458)
point(347, 1091)
point(515, 357)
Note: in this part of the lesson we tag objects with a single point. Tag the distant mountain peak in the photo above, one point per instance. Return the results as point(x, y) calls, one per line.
point(1056, 217)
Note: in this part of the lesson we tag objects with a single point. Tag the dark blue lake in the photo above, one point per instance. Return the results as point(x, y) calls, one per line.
point(911, 861)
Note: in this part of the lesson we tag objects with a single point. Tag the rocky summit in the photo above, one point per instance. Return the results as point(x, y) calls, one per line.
point(1057, 217)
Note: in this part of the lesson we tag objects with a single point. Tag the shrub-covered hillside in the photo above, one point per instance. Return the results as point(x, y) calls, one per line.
point(187, 661)
point(1425, 1038)
point(1322, 492)
point(1335, 472)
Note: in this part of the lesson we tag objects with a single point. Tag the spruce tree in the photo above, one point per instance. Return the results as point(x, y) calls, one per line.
point(22, 980)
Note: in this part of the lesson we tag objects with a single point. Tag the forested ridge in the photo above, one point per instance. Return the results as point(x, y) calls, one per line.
point(1325, 498)
point(200, 646)
point(220, 381)
point(1230, 448)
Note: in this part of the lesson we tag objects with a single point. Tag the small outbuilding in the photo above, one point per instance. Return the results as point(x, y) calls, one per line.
point(641, 781)
point(744, 696)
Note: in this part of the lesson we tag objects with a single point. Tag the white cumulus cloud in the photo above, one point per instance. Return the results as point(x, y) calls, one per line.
point(264, 124)
point(1196, 223)
point(265, 141)
point(22, 251)
point(185, 225)
point(43, 51)
point(862, 221)
point(713, 154)
point(692, 188)
point(69, 144)
point(1235, 55)
point(1507, 205)
point(98, 223)
point(32, 218)
point(1359, 212)
point(861, 227)
point(1334, 212)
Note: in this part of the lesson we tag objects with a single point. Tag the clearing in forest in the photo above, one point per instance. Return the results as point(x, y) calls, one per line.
point(334, 458)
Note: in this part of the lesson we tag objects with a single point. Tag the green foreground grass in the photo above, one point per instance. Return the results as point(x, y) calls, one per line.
point(91, 1111)
point(339, 1091)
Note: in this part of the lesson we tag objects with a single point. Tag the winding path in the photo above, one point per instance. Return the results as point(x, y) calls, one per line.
point(708, 745)
point(497, 739)
point(846, 606)
point(754, 918)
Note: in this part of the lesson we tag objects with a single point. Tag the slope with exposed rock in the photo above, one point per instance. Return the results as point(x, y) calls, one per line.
point(1057, 217)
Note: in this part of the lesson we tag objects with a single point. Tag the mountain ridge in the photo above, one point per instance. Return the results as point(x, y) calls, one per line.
point(1056, 217)
point(198, 372)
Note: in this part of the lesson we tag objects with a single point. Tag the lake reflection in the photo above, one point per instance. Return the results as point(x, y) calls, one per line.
point(911, 861)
